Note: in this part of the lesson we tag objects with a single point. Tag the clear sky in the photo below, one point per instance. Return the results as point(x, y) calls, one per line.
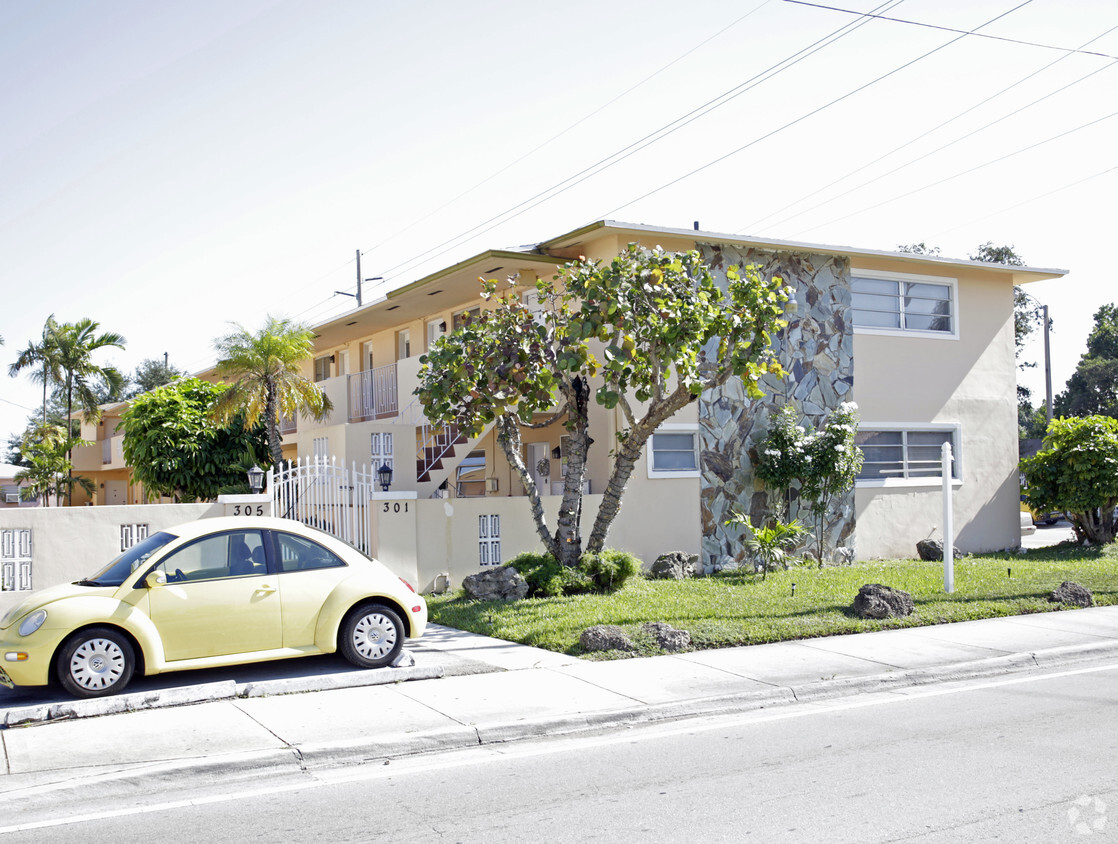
point(169, 167)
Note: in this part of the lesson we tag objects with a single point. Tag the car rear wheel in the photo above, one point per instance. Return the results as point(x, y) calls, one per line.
point(95, 662)
point(371, 636)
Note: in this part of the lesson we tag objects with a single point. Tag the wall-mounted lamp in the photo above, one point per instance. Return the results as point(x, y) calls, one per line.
point(442, 327)
point(255, 479)
point(384, 475)
point(556, 453)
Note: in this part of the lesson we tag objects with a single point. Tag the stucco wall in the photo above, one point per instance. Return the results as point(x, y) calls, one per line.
point(69, 543)
point(966, 382)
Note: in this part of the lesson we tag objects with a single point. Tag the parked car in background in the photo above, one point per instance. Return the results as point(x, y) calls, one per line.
point(210, 593)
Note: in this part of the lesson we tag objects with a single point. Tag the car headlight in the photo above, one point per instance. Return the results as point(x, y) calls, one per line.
point(32, 623)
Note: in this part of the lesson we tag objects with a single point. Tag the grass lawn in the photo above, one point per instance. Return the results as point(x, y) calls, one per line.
point(742, 609)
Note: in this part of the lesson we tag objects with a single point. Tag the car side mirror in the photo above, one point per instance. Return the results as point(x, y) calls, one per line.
point(155, 578)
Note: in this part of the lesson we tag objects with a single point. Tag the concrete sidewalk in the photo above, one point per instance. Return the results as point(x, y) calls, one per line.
point(495, 691)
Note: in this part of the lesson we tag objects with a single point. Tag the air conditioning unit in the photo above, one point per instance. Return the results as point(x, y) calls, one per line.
point(11, 498)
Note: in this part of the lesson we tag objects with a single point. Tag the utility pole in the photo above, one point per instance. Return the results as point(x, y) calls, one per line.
point(1047, 367)
point(359, 278)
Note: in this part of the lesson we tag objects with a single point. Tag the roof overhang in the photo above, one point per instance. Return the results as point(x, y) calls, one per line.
point(572, 240)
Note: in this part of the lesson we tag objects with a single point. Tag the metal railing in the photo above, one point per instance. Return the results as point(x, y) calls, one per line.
point(372, 393)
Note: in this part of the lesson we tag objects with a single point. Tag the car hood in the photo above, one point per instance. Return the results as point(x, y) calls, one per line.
point(48, 596)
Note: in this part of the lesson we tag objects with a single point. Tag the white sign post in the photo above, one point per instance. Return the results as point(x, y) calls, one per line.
point(948, 526)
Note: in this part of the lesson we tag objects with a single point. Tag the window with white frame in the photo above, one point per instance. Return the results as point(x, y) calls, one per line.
point(321, 449)
point(905, 455)
point(673, 452)
point(489, 540)
point(322, 368)
point(900, 303)
point(15, 560)
point(380, 449)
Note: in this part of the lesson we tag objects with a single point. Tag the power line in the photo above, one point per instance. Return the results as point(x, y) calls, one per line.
point(967, 172)
point(757, 223)
point(647, 140)
point(568, 129)
point(1023, 202)
point(930, 153)
point(811, 113)
point(950, 29)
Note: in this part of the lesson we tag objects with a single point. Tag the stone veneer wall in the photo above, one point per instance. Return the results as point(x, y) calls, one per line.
point(817, 348)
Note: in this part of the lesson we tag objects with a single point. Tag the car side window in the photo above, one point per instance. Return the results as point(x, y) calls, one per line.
point(299, 554)
point(234, 554)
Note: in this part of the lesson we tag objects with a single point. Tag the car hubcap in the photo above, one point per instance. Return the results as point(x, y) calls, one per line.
point(374, 636)
point(97, 664)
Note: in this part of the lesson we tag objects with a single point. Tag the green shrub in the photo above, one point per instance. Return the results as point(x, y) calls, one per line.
point(547, 578)
point(609, 569)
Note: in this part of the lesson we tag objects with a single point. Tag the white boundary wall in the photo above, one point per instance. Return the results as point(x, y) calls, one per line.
point(69, 543)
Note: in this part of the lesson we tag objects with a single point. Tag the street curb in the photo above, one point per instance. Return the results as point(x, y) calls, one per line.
point(26, 716)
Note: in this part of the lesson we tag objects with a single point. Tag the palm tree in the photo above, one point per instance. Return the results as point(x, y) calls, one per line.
point(75, 343)
point(264, 367)
point(43, 354)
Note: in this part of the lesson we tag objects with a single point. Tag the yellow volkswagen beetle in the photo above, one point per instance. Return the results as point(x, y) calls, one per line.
point(215, 592)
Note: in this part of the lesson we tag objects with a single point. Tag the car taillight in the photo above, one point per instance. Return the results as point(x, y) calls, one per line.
point(412, 588)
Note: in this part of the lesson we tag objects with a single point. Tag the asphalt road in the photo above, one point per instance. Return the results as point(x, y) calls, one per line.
point(1024, 759)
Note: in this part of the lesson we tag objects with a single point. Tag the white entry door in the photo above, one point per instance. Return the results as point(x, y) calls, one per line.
point(536, 454)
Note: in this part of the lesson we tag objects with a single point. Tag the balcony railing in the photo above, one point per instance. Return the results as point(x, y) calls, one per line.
point(288, 424)
point(372, 394)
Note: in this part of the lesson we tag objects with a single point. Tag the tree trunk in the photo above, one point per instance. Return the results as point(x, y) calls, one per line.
point(271, 412)
point(508, 438)
point(626, 460)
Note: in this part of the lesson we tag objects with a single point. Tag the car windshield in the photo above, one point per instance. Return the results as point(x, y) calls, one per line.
point(118, 570)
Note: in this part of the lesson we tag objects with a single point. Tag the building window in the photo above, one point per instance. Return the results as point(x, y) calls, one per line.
point(131, 534)
point(462, 316)
point(321, 449)
point(322, 368)
point(435, 329)
point(673, 452)
point(380, 450)
point(403, 344)
point(15, 560)
point(489, 540)
point(891, 303)
point(470, 475)
point(905, 455)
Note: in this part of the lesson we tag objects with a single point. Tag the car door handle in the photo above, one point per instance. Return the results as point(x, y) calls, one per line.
point(264, 587)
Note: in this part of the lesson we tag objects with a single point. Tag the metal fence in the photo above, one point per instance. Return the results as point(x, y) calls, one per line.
point(322, 494)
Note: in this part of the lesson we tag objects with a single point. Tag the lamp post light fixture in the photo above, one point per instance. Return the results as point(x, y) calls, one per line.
point(256, 479)
point(384, 475)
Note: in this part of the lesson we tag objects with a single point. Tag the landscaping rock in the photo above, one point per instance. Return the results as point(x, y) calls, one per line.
point(499, 584)
point(674, 566)
point(877, 601)
point(605, 637)
point(667, 637)
point(931, 550)
point(1072, 594)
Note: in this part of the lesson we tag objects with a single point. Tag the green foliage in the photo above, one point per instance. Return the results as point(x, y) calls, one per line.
point(739, 609)
point(547, 577)
point(825, 463)
point(47, 468)
point(175, 450)
point(603, 572)
point(664, 330)
point(151, 374)
point(771, 545)
point(267, 383)
point(609, 569)
point(1077, 472)
point(1093, 387)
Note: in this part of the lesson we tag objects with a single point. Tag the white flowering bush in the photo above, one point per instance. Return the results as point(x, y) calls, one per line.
point(824, 462)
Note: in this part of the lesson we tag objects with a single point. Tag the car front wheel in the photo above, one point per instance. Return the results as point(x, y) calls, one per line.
point(95, 662)
point(371, 636)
